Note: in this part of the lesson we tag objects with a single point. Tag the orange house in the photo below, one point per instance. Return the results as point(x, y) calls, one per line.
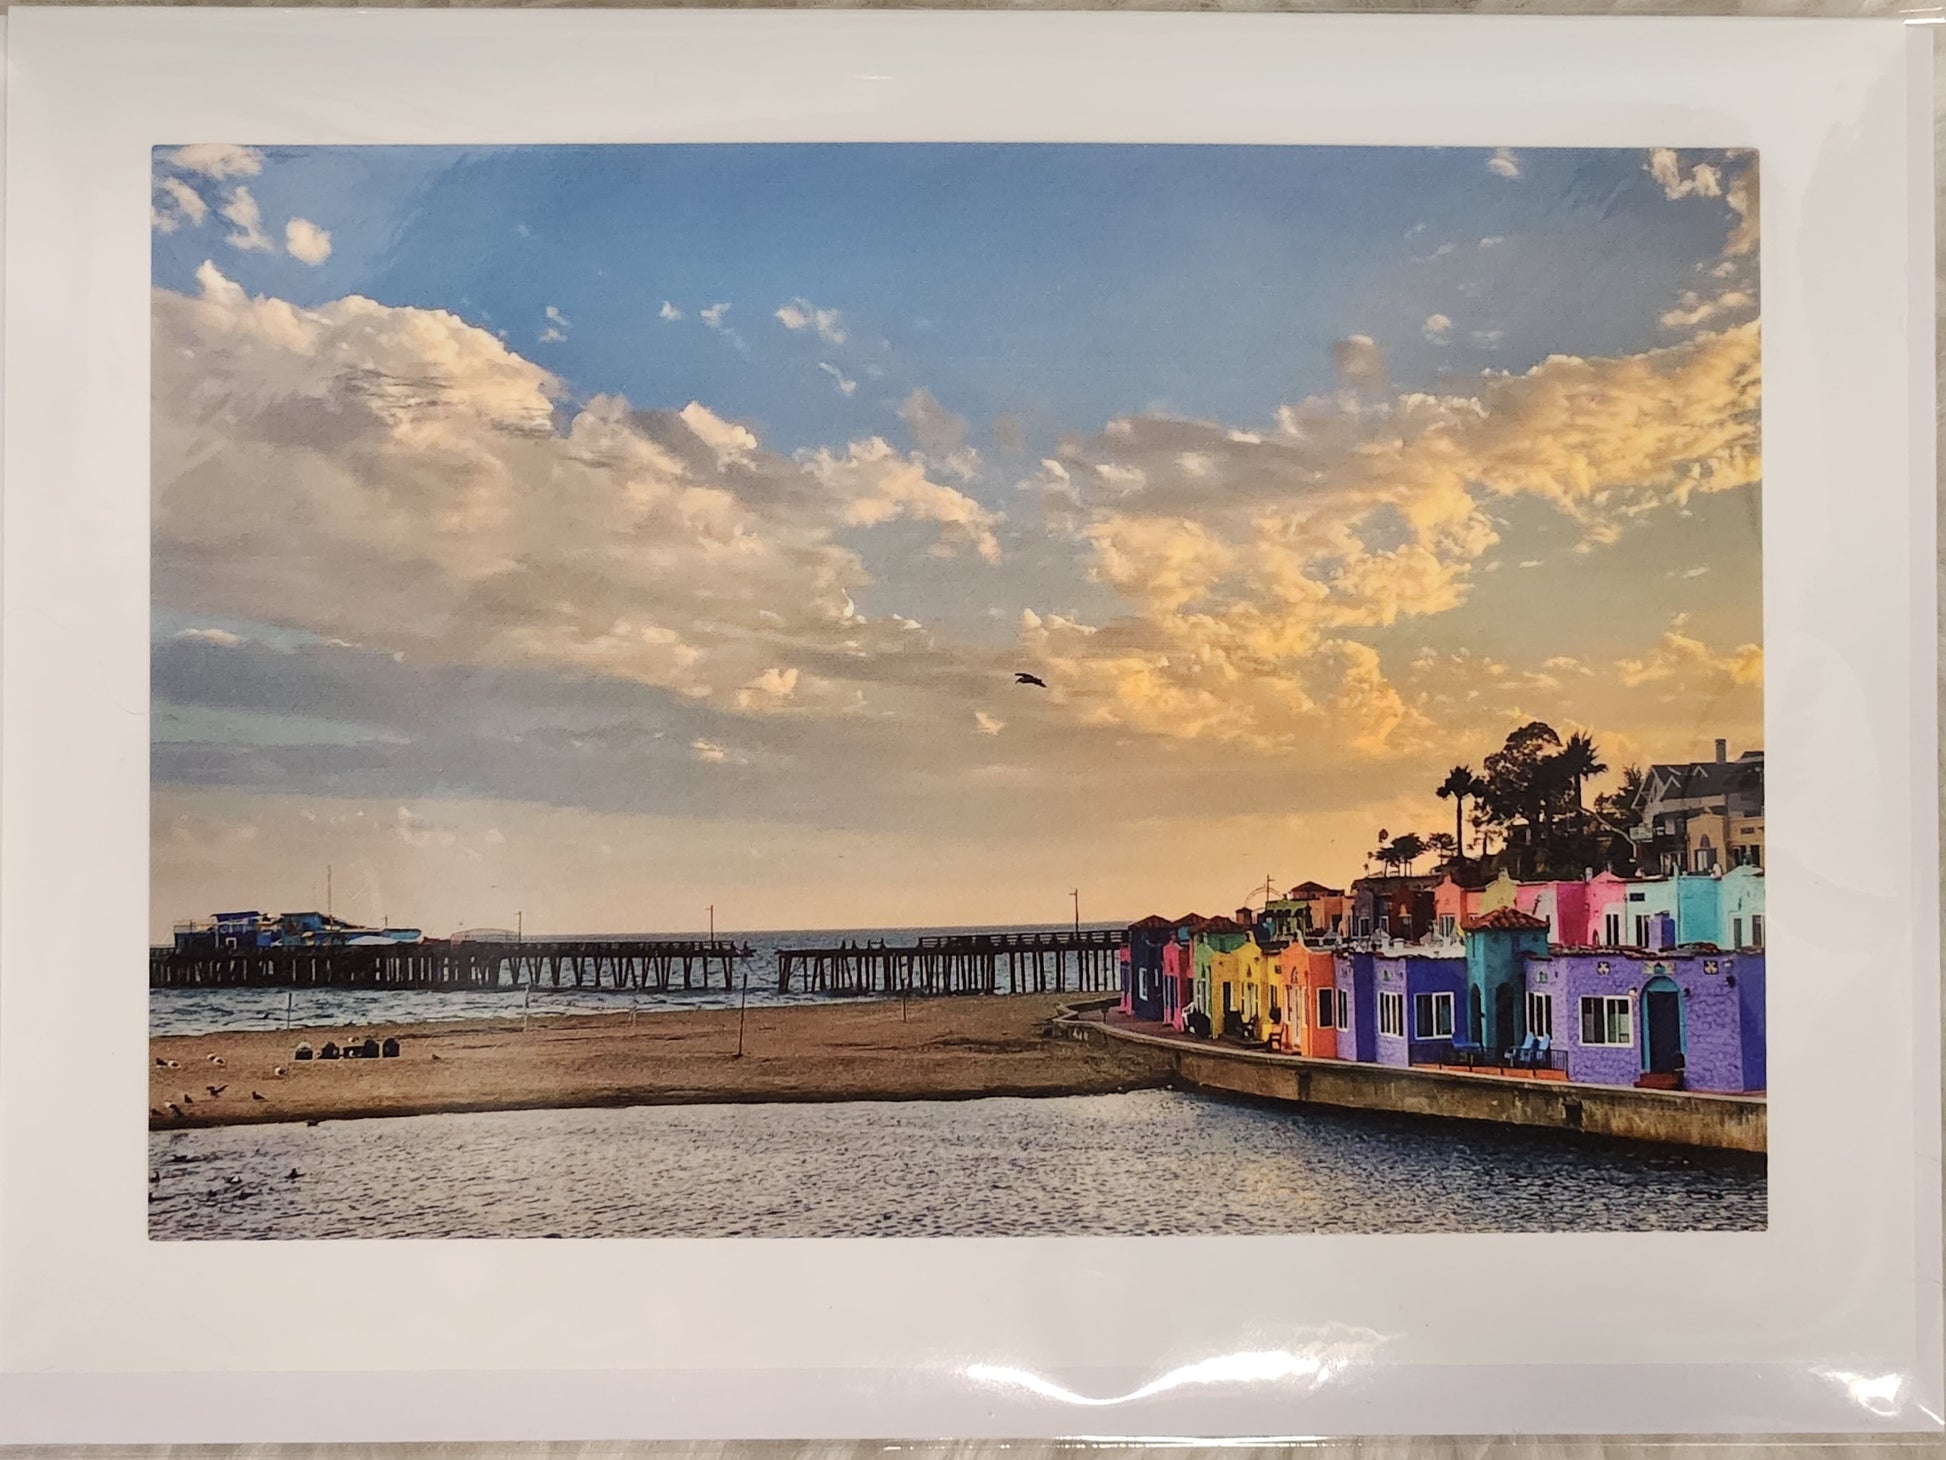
point(1312, 979)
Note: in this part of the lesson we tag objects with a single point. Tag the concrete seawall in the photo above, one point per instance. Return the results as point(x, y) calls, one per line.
point(1719, 1122)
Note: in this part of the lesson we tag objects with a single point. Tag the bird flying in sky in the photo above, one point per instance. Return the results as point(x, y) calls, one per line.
point(1023, 678)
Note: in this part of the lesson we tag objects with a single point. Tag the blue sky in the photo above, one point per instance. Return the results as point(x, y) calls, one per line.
point(1063, 285)
point(575, 526)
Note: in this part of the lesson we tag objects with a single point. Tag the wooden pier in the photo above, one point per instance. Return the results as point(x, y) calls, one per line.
point(965, 963)
point(616, 964)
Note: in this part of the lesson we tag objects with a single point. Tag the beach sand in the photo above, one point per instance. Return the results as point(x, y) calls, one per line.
point(944, 1049)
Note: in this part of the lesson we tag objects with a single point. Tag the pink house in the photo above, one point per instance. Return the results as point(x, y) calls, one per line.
point(1586, 914)
point(1454, 900)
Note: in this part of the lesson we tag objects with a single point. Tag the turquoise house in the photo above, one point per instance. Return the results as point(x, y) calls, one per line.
point(1498, 945)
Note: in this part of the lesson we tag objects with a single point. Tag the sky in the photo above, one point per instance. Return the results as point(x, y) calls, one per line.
point(606, 533)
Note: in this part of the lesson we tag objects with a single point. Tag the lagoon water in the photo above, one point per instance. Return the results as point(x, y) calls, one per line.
point(1153, 1162)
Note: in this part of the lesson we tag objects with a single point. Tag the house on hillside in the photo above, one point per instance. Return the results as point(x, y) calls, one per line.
point(1701, 816)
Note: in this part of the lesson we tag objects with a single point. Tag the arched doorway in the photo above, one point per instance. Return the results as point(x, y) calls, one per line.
point(1505, 1033)
point(1477, 1030)
point(1662, 1052)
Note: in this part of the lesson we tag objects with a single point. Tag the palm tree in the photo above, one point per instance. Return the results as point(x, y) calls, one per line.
point(1407, 849)
point(1578, 760)
point(1460, 784)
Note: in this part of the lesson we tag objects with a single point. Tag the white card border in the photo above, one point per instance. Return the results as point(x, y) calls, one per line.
point(88, 88)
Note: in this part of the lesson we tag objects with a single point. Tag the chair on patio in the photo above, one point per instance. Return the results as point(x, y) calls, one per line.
point(1522, 1057)
point(1468, 1052)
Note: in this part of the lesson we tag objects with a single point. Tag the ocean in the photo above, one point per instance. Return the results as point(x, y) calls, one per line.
point(211, 1011)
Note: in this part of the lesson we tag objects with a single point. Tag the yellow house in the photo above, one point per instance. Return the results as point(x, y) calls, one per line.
point(1501, 892)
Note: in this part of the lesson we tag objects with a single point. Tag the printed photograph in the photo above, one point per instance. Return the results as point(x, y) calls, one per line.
point(916, 690)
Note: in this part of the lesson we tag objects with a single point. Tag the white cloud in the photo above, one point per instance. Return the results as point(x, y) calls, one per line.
point(249, 235)
point(712, 315)
point(557, 327)
point(1694, 309)
point(179, 204)
point(1691, 666)
point(1505, 162)
point(222, 638)
point(846, 386)
point(802, 314)
point(1493, 240)
point(988, 724)
point(1437, 328)
point(1487, 338)
point(306, 242)
point(448, 514)
point(218, 160)
point(669, 311)
point(768, 691)
point(1700, 181)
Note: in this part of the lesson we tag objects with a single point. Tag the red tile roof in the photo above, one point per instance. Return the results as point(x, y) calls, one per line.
point(1505, 917)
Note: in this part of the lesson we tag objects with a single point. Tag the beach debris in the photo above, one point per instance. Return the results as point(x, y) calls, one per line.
point(233, 1180)
point(390, 1049)
point(369, 1049)
point(256, 1095)
point(302, 1052)
point(330, 1050)
point(314, 1122)
point(154, 1176)
point(215, 1090)
point(436, 1060)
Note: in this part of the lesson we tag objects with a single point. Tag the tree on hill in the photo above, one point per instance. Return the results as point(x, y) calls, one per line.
point(1460, 786)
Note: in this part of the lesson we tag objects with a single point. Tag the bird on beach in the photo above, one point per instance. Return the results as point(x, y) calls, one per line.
point(215, 1090)
point(313, 1122)
point(161, 1061)
point(216, 1059)
point(280, 1072)
point(169, 1064)
point(293, 1174)
point(154, 1176)
point(436, 1059)
point(1022, 677)
point(255, 1095)
point(187, 1098)
point(175, 1110)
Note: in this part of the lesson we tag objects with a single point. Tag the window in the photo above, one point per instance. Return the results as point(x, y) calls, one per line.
point(1540, 1015)
point(1641, 931)
point(1447, 926)
point(1327, 1006)
point(1344, 1009)
point(1757, 930)
point(1604, 1020)
point(1391, 1014)
point(1612, 931)
point(1736, 933)
point(1432, 1016)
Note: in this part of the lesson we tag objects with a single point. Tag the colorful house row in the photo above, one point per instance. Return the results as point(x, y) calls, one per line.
point(1504, 992)
point(1725, 909)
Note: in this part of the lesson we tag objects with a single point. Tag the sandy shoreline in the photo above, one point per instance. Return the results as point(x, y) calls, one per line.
point(943, 1049)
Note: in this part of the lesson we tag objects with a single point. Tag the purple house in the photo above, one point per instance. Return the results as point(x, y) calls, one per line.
point(1685, 1019)
point(1357, 1007)
point(1420, 1006)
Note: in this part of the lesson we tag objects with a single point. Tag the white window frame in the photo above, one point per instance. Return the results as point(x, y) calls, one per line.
point(1756, 930)
point(1612, 926)
point(1391, 1013)
point(1344, 1009)
point(1432, 1003)
point(1618, 1033)
point(1544, 1004)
